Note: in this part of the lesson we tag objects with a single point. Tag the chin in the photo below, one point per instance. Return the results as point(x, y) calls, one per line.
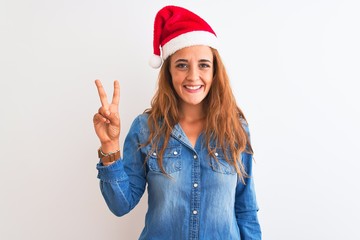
point(194, 103)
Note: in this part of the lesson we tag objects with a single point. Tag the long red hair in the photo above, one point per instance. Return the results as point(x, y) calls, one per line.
point(223, 122)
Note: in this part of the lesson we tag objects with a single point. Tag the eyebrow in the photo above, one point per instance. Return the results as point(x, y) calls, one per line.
point(185, 60)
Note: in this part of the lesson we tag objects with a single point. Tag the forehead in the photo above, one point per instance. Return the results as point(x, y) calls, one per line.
point(194, 52)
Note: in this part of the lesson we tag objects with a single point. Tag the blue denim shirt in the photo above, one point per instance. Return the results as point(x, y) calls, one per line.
point(202, 199)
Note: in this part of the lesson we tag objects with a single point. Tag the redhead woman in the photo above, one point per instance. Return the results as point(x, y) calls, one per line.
point(191, 148)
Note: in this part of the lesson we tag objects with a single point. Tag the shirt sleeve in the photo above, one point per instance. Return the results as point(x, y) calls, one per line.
point(122, 183)
point(246, 207)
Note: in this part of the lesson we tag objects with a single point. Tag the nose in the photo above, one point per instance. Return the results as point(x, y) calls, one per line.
point(193, 74)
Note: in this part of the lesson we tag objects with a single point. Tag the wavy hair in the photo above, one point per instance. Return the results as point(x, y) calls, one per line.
point(223, 122)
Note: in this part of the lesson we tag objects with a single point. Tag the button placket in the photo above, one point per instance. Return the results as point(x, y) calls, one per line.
point(195, 198)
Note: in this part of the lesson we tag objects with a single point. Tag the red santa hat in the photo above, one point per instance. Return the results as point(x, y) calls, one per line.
point(176, 28)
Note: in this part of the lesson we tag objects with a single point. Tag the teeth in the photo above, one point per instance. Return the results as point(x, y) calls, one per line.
point(193, 87)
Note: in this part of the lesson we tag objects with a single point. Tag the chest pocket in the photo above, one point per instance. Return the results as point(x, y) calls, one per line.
point(221, 165)
point(171, 160)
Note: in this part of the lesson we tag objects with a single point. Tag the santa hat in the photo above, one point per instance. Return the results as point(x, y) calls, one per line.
point(176, 28)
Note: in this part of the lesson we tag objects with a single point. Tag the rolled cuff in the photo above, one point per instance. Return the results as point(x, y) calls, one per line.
point(112, 173)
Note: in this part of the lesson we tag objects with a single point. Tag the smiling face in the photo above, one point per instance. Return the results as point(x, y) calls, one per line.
point(192, 69)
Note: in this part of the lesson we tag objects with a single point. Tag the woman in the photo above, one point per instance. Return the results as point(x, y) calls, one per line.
point(191, 148)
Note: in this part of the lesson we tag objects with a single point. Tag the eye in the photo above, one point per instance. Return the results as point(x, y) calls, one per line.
point(204, 65)
point(181, 66)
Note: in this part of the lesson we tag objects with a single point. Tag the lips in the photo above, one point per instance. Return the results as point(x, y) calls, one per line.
point(193, 87)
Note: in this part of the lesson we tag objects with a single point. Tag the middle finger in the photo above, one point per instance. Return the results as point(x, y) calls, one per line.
point(116, 94)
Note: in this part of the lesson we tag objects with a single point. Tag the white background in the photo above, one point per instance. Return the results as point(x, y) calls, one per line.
point(294, 67)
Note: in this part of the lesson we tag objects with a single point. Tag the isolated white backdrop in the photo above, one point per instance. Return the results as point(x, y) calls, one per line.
point(294, 67)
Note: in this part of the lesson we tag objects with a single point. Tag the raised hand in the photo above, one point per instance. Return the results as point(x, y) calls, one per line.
point(107, 119)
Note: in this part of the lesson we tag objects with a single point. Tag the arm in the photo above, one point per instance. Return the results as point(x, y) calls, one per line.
point(123, 183)
point(246, 207)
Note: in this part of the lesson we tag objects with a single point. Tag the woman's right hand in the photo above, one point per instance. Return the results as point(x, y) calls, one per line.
point(107, 119)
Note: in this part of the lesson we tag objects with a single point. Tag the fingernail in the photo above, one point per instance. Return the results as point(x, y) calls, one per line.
point(107, 113)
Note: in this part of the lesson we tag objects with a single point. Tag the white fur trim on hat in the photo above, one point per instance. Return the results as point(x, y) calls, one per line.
point(189, 39)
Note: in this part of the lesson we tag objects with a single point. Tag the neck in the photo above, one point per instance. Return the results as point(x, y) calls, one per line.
point(191, 113)
point(192, 121)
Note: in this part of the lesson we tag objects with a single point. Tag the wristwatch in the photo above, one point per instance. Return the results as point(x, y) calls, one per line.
point(108, 157)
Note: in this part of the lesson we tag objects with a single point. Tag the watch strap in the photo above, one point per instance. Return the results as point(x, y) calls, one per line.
point(108, 157)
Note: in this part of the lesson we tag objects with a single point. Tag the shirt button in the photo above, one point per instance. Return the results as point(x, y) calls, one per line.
point(195, 212)
point(175, 152)
point(154, 153)
point(195, 157)
point(195, 185)
point(216, 154)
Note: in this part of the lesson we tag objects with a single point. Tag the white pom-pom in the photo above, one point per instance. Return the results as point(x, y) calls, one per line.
point(155, 61)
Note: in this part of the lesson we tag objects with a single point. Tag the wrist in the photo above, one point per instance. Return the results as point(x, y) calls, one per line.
point(108, 158)
point(110, 147)
point(107, 163)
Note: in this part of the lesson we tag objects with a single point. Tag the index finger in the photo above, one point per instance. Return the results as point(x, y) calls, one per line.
point(116, 94)
point(102, 94)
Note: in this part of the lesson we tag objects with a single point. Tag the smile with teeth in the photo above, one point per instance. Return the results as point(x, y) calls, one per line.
point(195, 87)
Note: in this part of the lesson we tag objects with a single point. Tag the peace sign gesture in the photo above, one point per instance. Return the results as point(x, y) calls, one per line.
point(107, 120)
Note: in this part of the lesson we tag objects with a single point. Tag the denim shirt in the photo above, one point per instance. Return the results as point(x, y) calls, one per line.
point(201, 198)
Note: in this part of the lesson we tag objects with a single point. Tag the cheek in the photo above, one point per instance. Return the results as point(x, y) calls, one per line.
point(209, 81)
point(208, 77)
point(176, 80)
point(176, 83)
